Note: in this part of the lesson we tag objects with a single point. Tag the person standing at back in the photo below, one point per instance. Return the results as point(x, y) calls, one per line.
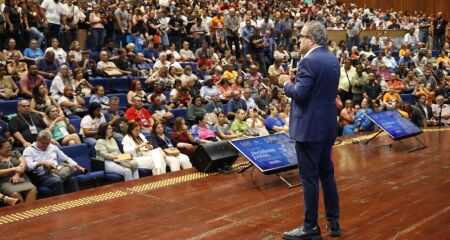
point(313, 126)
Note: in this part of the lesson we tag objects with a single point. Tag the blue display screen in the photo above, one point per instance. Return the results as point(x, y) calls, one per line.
point(397, 126)
point(271, 153)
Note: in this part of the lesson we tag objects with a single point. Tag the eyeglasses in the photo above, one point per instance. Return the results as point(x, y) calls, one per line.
point(54, 111)
point(305, 36)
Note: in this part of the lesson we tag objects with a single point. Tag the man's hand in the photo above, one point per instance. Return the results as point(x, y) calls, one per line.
point(47, 164)
point(282, 79)
point(80, 169)
point(26, 144)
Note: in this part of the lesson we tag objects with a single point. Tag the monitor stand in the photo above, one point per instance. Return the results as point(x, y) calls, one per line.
point(290, 185)
point(409, 149)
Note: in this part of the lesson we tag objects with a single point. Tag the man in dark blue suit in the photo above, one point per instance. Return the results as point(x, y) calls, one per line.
point(313, 126)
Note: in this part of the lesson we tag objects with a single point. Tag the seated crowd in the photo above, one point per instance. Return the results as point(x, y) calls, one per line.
point(219, 66)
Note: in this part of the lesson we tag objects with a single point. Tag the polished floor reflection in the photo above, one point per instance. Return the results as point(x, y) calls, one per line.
point(385, 193)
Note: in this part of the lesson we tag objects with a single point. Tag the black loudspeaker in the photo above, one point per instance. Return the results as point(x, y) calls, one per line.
point(211, 157)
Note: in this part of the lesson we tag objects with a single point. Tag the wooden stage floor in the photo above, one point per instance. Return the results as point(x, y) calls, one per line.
point(385, 193)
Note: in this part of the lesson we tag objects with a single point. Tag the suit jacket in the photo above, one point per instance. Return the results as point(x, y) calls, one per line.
point(429, 110)
point(313, 107)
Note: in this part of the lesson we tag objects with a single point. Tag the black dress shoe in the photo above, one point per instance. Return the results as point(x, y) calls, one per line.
point(334, 230)
point(303, 233)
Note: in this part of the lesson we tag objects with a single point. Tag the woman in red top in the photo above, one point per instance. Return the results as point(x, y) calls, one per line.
point(181, 134)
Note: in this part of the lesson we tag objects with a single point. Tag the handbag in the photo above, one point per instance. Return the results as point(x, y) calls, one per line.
point(171, 151)
point(124, 157)
point(64, 171)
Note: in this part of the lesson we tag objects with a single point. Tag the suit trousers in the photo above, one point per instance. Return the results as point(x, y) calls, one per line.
point(314, 162)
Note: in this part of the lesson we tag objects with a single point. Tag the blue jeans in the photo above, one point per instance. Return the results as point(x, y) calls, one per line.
point(315, 164)
point(119, 38)
point(113, 167)
point(57, 184)
point(97, 38)
point(352, 41)
point(90, 141)
point(423, 38)
point(38, 35)
point(286, 42)
point(348, 130)
point(438, 42)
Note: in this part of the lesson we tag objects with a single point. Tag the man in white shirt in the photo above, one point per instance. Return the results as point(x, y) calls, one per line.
point(55, 15)
point(42, 156)
point(246, 96)
point(390, 61)
point(60, 54)
point(410, 38)
point(186, 54)
point(441, 112)
point(347, 80)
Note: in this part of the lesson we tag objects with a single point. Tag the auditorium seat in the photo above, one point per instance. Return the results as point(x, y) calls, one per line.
point(100, 81)
point(120, 84)
point(76, 123)
point(395, 55)
point(408, 98)
point(123, 102)
point(86, 101)
point(80, 154)
point(95, 56)
point(8, 106)
point(177, 112)
point(142, 80)
point(225, 108)
point(48, 83)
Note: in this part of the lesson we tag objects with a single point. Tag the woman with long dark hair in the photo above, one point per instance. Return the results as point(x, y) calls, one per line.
point(160, 139)
point(108, 151)
point(13, 19)
point(41, 100)
point(142, 151)
point(181, 134)
point(89, 125)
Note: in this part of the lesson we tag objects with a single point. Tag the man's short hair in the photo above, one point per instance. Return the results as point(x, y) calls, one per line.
point(44, 135)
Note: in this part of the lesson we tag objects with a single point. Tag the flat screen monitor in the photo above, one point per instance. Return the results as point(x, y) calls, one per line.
point(270, 154)
point(396, 126)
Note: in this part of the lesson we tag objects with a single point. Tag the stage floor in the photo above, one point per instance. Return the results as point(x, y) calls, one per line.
point(385, 193)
